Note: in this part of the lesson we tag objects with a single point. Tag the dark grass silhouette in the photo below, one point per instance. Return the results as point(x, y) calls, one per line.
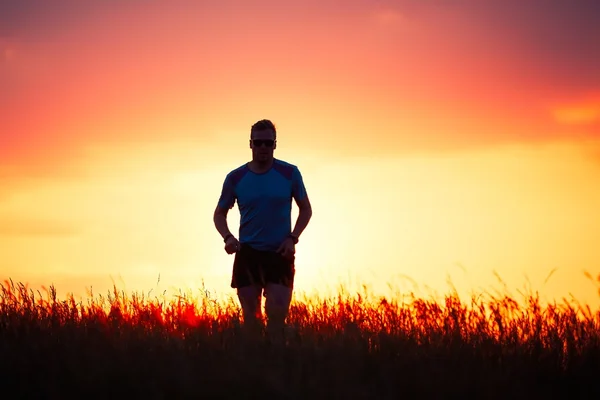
point(352, 346)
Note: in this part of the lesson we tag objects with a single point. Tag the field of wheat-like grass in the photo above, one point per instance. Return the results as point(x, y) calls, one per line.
point(349, 346)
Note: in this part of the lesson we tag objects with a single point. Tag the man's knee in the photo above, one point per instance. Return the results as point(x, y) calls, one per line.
point(278, 298)
point(250, 300)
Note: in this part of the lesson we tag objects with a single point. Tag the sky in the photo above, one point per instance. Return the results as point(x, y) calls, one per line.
point(440, 141)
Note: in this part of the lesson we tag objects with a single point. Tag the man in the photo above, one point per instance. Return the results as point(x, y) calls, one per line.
point(265, 251)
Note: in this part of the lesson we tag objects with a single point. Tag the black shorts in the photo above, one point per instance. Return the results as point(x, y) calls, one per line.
point(252, 266)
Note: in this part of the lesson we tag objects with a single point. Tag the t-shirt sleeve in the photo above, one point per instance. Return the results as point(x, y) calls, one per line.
point(298, 189)
point(227, 199)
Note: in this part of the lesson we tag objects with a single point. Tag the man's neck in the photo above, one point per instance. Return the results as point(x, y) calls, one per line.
point(259, 167)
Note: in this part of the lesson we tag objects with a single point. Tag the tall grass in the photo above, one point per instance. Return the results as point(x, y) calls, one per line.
point(349, 346)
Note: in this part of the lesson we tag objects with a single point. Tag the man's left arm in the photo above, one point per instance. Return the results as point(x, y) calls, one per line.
point(303, 203)
point(304, 215)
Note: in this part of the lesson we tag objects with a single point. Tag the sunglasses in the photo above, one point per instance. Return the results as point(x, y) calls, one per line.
point(260, 142)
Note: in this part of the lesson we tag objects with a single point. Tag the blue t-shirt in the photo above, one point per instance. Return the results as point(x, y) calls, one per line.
point(264, 201)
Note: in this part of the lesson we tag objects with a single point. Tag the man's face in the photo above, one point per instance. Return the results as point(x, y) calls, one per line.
point(262, 144)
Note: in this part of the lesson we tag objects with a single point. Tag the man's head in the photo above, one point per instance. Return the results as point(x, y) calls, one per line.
point(263, 140)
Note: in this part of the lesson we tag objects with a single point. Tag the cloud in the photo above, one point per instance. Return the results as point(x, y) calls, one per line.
point(31, 19)
point(557, 40)
point(579, 118)
point(583, 114)
point(92, 71)
point(547, 41)
point(45, 20)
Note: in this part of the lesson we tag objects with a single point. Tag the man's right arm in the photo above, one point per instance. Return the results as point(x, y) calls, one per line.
point(220, 220)
point(225, 203)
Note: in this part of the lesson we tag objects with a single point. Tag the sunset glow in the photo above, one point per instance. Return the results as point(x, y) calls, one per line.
point(437, 140)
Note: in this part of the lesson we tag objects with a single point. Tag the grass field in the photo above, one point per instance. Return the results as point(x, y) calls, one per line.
point(350, 347)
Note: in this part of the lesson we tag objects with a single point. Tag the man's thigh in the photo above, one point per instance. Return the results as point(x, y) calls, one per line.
point(247, 269)
point(278, 270)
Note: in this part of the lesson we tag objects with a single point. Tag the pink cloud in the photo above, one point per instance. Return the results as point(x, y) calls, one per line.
point(74, 63)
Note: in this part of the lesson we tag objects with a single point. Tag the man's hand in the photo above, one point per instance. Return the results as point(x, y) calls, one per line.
point(232, 245)
point(287, 249)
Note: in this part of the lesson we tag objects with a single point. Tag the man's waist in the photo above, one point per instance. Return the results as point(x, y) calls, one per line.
point(262, 244)
point(259, 249)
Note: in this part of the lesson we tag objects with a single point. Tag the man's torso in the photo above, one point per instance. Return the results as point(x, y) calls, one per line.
point(264, 201)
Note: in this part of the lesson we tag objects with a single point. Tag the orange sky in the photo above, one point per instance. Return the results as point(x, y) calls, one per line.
point(435, 138)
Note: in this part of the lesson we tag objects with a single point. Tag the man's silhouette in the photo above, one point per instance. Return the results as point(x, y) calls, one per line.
point(265, 251)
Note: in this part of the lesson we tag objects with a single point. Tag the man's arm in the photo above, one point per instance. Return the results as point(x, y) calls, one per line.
point(304, 215)
point(220, 220)
point(226, 201)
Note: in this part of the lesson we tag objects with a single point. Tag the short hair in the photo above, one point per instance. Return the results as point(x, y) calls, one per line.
point(263, 124)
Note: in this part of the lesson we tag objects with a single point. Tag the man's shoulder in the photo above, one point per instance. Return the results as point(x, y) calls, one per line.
point(278, 161)
point(284, 168)
point(241, 168)
point(238, 173)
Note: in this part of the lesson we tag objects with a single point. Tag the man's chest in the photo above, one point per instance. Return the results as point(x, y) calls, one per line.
point(263, 190)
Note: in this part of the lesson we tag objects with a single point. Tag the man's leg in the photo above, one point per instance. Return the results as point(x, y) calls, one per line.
point(277, 304)
point(250, 299)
